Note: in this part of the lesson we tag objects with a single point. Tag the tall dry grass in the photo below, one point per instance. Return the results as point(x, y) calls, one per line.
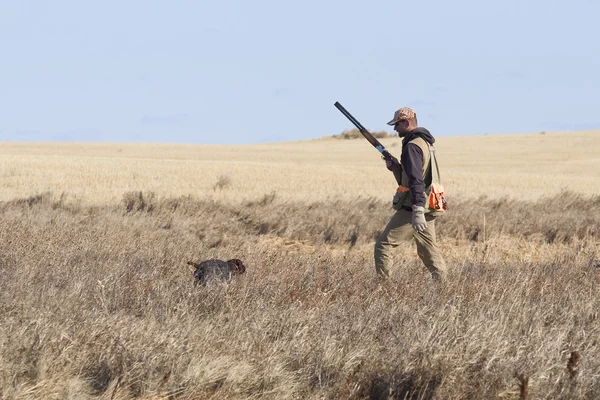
point(96, 301)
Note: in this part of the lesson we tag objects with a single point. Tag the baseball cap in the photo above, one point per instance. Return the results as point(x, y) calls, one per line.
point(403, 113)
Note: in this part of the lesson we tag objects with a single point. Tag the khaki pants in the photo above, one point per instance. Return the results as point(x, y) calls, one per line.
point(400, 230)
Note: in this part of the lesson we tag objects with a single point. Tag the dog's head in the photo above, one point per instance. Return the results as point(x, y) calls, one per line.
point(238, 266)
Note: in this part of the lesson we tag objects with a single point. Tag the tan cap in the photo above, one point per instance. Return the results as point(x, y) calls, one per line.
point(403, 113)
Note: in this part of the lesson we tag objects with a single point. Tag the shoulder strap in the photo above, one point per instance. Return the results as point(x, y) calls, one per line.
point(435, 170)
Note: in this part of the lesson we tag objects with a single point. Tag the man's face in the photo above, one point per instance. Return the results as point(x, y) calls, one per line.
point(402, 127)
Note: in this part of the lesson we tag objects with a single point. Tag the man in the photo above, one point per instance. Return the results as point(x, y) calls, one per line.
point(414, 217)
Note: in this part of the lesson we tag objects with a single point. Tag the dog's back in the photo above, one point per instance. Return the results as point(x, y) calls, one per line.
point(216, 270)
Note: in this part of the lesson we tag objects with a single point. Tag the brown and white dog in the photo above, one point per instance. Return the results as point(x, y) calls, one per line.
point(216, 270)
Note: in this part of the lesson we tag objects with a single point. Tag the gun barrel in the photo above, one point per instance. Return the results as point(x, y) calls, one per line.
point(350, 117)
point(374, 142)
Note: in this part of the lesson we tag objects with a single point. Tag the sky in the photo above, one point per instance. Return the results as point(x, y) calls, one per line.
point(240, 72)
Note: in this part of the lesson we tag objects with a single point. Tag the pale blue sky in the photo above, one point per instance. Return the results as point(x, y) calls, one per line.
point(233, 71)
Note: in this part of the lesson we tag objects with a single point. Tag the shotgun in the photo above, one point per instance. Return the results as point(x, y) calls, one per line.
point(386, 155)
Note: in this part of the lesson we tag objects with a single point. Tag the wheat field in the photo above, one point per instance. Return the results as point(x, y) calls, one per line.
point(97, 302)
point(524, 167)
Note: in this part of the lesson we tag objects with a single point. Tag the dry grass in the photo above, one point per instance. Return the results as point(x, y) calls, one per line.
point(97, 302)
point(519, 166)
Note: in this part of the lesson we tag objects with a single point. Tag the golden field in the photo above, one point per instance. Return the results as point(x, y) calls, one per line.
point(523, 166)
point(97, 302)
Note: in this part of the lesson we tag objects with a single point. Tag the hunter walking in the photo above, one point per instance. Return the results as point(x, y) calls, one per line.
point(418, 200)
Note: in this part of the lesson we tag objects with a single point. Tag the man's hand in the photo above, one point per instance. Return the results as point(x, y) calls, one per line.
point(418, 219)
point(392, 163)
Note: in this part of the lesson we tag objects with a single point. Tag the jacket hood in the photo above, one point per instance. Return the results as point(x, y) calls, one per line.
point(419, 132)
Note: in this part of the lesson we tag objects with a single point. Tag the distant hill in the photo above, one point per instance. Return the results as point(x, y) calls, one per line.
point(355, 134)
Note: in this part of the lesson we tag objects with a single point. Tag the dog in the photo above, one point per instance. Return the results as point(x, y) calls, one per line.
point(216, 270)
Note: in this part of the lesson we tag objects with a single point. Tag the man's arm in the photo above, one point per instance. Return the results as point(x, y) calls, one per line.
point(412, 160)
point(393, 165)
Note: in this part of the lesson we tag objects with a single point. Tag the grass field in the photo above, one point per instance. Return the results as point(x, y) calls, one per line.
point(97, 302)
point(518, 166)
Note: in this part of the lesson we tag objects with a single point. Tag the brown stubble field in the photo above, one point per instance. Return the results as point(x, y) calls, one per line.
point(525, 167)
point(96, 301)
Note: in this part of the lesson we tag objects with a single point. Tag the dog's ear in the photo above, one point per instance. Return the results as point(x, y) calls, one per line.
point(238, 265)
point(241, 268)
